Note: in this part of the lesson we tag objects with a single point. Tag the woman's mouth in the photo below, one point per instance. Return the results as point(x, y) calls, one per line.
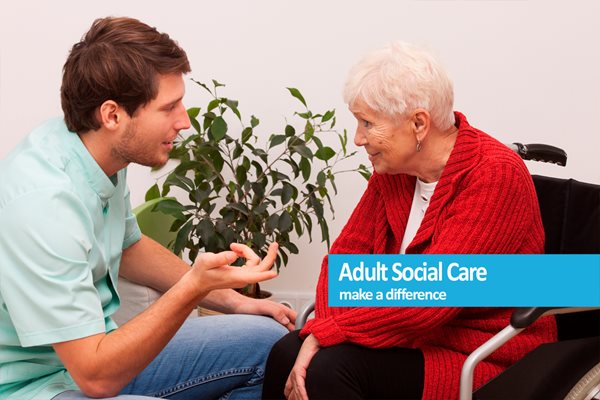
point(372, 156)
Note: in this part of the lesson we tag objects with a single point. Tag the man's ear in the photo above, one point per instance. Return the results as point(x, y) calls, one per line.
point(110, 114)
point(421, 123)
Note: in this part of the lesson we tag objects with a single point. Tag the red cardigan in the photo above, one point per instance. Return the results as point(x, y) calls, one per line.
point(484, 203)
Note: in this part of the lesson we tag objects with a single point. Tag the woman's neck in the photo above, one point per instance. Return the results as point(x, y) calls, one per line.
point(436, 150)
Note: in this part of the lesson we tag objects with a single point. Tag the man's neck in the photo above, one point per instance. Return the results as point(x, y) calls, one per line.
point(101, 151)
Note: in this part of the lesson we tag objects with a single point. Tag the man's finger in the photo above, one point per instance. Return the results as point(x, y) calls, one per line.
point(246, 252)
point(271, 256)
point(212, 260)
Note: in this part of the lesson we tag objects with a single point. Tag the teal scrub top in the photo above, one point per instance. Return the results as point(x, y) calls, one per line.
point(63, 227)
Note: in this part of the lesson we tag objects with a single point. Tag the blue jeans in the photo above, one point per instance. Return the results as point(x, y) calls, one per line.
point(216, 357)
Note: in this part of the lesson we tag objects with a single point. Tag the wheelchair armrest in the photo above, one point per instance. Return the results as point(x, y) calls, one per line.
point(522, 317)
point(303, 315)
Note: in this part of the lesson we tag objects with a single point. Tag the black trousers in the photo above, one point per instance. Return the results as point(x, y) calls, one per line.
point(347, 371)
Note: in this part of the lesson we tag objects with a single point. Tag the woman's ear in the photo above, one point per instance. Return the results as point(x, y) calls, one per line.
point(110, 114)
point(421, 122)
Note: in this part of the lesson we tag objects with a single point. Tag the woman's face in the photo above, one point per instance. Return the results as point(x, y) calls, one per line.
point(390, 142)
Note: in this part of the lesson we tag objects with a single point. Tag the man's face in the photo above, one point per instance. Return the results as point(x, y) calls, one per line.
point(149, 135)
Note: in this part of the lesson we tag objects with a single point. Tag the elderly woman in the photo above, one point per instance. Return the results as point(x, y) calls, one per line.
point(440, 186)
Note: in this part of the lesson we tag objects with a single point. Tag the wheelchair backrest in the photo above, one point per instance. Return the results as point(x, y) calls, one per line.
point(571, 216)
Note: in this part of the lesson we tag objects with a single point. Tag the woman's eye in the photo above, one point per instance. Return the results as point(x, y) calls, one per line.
point(366, 124)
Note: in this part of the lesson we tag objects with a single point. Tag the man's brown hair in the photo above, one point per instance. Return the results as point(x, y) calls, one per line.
point(117, 59)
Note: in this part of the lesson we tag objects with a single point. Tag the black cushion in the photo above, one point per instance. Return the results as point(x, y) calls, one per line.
point(547, 373)
point(571, 216)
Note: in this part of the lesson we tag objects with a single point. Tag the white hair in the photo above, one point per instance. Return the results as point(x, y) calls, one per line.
point(399, 78)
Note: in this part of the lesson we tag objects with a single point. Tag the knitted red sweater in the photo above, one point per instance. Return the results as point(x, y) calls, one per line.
point(484, 203)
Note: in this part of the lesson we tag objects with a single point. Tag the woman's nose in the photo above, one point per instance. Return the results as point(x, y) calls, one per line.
point(359, 138)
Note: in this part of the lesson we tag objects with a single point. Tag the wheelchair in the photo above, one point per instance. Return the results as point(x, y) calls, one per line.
point(570, 368)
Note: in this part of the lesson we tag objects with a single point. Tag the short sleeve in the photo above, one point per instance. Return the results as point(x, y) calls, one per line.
point(46, 282)
point(132, 230)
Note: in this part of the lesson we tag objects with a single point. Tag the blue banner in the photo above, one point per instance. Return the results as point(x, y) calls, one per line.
point(465, 280)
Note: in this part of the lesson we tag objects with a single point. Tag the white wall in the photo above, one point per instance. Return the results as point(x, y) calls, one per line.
point(524, 71)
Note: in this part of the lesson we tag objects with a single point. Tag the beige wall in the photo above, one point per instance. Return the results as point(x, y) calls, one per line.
point(524, 71)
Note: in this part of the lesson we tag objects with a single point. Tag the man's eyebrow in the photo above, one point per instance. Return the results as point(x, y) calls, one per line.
point(168, 105)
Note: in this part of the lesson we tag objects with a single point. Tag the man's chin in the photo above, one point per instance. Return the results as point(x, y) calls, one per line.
point(154, 164)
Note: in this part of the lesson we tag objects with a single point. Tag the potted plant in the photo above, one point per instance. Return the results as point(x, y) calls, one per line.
point(236, 190)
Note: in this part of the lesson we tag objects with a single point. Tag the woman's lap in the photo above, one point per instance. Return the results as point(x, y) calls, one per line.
point(348, 371)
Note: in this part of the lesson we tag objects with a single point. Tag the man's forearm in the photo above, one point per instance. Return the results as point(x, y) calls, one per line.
point(103, 364)
point(150, 264)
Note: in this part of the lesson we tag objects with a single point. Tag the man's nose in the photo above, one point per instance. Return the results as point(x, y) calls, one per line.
point(183, 120)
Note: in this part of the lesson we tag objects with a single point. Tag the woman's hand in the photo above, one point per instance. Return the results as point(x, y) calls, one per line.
point(295, 387)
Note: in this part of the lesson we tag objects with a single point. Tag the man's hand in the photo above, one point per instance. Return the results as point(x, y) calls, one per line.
point(295, 387)
point(212, 271)
point(280, 313)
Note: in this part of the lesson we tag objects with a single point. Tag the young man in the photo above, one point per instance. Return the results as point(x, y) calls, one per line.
point(68, 232)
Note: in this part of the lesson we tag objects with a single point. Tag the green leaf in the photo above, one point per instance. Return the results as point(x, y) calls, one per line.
point(179, 181)
point(217, 84)
point(331, 178)
point(152, 193)
point(325, 153)
point(276, 140)
point(206, 230)
point(305, 115)
point(272, 223)
point(233, 105)
point(317, 142)
point(193, 112)
point(203, 85)
point(213, 104)
point(239, 207)
point(321, 178)
point(286, 193)
point(292, 248)
point(258, 167)
point(303, 151)
point(170, 207)
point(325, 232)
point(246, 135)
point(218, 128)
point(309, 131)
point(241, 174)
point(238, 150)
point(195, 125)
point(285, 222)
point(305, 168)
point(279, 176)
point(259, 240)
point(328, 115)
point(296, 93)
point(364, 171)
point(182, 236)
point(289, 130)
point(254, 121)
point(297, 224)
point(343, 141)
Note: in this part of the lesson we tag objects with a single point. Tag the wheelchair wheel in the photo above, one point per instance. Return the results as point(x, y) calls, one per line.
point(588, 387)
